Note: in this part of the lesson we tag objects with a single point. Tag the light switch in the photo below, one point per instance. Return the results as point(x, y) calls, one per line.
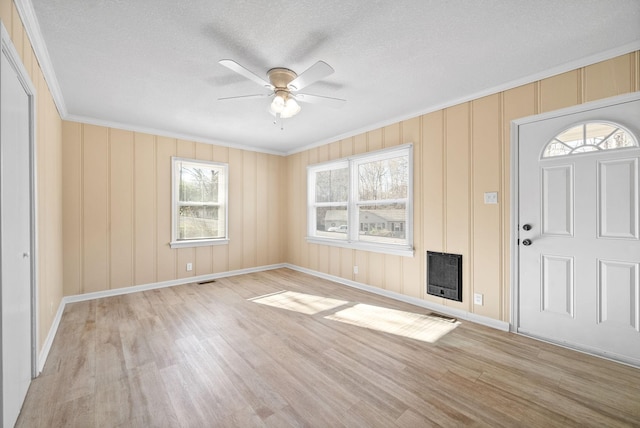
point(477, 298)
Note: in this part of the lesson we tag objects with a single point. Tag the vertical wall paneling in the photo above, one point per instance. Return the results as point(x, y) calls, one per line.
point(263, 212)
point(375, 268)
point(145, 221)
point(393, 273)
point(323, 153)
point(118, 209)
point(560, 91)
point(360, 144)
point(392, 135)
point(334, 260)
point(236, 209)
point(608, 78)
point(275, 204)
point(26, 52)
point(334, 150)
point(636, 71)
point(121, 202)
point(95, 156)
point(432, 167)
point(165, 257)
point(72, 202)
point(16, 29)
point(249, 208)
point(486, 228)
point(457, 202)
point(300, 208)
point(346, 263)
point(411, 267)
point(6, 13)
point(374, 140)
point(362, 261)
point(346, 148)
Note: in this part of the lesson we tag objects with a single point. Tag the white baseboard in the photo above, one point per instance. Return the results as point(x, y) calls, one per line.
point(44, 352)
point(46, 347)
point(164, 284)
point(445, 310)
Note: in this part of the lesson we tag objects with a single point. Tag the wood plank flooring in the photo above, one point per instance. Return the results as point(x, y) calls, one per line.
point(215, 355)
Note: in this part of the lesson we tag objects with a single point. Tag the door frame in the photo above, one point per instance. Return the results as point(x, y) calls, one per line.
point(515, 192)
point(8, 49)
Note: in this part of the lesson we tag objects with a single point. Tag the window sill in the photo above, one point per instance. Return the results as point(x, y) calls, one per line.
point(396, 250)
point(198, 243)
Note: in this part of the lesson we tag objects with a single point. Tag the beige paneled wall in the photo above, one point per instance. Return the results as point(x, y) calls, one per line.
point(460, 153)
point(49, 177)
point(117, 209)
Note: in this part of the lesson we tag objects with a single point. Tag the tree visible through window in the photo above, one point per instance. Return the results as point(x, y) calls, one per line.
point(363, 201)
point(199, 201)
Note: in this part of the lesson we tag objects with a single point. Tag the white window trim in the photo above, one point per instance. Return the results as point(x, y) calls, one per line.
point(188, 243)
point(406, 250)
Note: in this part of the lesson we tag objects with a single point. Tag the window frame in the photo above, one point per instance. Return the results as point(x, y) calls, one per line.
point(175, 204)
point(351, 239)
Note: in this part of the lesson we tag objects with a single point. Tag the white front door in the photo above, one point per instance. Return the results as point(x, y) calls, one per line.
point(579, 246)
point(15, 230)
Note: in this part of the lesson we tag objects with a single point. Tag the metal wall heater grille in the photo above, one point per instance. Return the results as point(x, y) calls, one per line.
point(444, 275)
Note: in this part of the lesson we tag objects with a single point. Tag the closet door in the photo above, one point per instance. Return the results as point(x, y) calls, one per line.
point(15, 231)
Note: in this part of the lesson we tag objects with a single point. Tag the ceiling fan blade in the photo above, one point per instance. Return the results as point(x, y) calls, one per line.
point(319, 99)
point(245, 97)
point(317, 71)
point(234, 66)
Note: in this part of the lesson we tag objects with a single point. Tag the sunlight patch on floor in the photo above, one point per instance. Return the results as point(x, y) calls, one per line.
point(299, 302)
point(426, 328)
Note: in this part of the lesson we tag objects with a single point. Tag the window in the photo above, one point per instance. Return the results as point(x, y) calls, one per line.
point(589, 137)
point(199, 196)
point(363, 201)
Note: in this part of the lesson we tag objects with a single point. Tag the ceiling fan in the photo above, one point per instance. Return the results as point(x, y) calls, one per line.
point(284, 85)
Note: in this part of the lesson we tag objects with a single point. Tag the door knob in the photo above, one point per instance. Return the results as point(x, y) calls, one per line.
point(526, 242)
point(527, 227)
point(25, 255)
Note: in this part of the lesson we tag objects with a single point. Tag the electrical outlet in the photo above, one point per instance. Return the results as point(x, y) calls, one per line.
point(477, 299)
point(189, 267)
point(355, 270)
point(491, 197)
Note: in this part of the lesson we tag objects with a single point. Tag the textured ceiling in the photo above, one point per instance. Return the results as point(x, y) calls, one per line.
point(153, 65)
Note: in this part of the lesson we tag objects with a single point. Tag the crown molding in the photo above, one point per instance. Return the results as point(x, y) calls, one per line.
point(164, 133)
point(32, 27)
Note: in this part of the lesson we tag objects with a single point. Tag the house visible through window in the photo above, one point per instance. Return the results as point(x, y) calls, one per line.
point(199, 198)
point(364, 201)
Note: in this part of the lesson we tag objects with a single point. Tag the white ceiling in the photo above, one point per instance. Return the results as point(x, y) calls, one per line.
point(153, 65)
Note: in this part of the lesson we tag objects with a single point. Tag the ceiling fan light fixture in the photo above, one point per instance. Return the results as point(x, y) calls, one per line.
point(278, 104)
point(284, 105)
point(291, 108)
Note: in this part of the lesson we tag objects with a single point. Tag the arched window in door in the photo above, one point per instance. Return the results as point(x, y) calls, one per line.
point(589, 137)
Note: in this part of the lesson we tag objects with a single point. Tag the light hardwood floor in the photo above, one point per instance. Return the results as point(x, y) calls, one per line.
point(217, 355)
